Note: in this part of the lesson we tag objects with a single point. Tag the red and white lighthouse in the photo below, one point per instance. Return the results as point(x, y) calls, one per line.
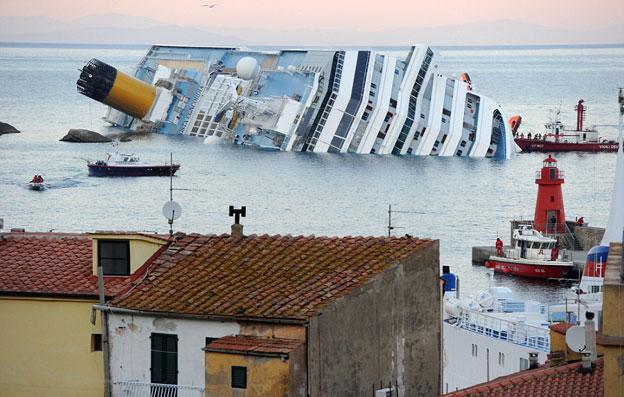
point(549, 211)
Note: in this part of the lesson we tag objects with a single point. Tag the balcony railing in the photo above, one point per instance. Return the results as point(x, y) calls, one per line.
point(509, 331)
point(143, 389)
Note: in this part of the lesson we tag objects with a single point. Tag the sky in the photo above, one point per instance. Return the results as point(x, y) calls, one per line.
point(366, 15)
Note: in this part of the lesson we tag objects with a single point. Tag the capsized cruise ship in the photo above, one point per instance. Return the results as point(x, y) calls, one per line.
point(356, 101)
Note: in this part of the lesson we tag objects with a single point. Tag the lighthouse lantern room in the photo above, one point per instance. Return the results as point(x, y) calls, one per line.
point(549, 211)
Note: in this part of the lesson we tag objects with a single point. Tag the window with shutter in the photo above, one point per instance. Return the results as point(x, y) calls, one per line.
point(164, 359)
point(114, 257)
point(239, 377)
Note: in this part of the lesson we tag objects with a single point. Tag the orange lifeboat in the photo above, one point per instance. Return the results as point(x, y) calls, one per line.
point(514, 122)
point(466, 79)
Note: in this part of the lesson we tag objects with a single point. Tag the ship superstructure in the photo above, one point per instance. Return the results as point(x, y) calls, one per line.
point(358, 101)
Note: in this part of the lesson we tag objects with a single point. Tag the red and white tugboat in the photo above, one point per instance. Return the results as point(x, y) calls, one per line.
point(558, 138)
point(532, 254)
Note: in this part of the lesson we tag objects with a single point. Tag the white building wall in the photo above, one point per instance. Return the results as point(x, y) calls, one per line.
point(456, 124)
point(435, 116)
point(461, 369)
point(340, 104)
point(130, 345)
point(484, 127)
point(378, 115)
point(403, 99)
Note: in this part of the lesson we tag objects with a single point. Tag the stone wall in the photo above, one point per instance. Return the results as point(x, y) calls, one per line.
point(385, 332)
point(588, 237)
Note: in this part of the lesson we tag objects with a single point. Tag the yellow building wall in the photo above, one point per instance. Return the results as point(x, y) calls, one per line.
point(140, 249)
point(613, 309)
point(45, 348)
point(266, 376)
point(266, 330)
point(613, 376)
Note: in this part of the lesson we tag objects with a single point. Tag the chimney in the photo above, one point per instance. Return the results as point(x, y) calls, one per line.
point(586, 363)
point(237, 228)
point(237, 232)
point(590, 336)
point(533, 360)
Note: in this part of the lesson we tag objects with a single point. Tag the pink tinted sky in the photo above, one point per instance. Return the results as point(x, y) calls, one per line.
point(352, 14)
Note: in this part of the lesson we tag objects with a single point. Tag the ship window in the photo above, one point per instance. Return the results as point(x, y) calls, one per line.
point(475, 350)
point(524, 364)
point(501, 359)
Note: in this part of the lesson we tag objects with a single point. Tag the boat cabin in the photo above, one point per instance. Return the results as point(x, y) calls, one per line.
point(529, 243)
point(121, 158)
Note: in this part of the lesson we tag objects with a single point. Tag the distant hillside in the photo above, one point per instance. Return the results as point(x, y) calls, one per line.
point(107, 29)
point(126, 29)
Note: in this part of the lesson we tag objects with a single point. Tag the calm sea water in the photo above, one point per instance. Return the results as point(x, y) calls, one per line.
point(461, 202)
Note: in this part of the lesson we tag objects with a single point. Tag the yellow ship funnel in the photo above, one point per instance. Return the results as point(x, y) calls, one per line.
point(116, 89)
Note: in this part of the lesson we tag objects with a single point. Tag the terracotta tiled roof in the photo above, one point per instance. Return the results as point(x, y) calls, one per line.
point(263, 276)
point(253, 345)
point(563, 381)
point(50, 264)
point(561, 328)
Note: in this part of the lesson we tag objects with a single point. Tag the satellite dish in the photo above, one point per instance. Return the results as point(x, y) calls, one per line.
point(172, 210)
point(575, 339)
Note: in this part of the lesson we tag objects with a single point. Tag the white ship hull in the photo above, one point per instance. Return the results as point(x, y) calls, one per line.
point(472, 357)
point(357, 101)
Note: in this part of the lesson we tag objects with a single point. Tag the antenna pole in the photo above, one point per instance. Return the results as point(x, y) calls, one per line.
point(389, 220)
point(171, 177)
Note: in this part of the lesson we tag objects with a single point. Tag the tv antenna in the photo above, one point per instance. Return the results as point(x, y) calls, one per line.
point(171, 209)
point(390, 227)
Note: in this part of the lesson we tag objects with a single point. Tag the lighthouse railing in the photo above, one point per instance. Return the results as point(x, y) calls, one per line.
point(560, 174)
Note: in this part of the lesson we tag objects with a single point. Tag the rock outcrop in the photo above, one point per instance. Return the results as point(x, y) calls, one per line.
point(7, 129)
point(84, 136)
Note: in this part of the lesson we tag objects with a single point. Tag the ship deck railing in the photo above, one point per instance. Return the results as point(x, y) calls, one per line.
point(508, 331)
